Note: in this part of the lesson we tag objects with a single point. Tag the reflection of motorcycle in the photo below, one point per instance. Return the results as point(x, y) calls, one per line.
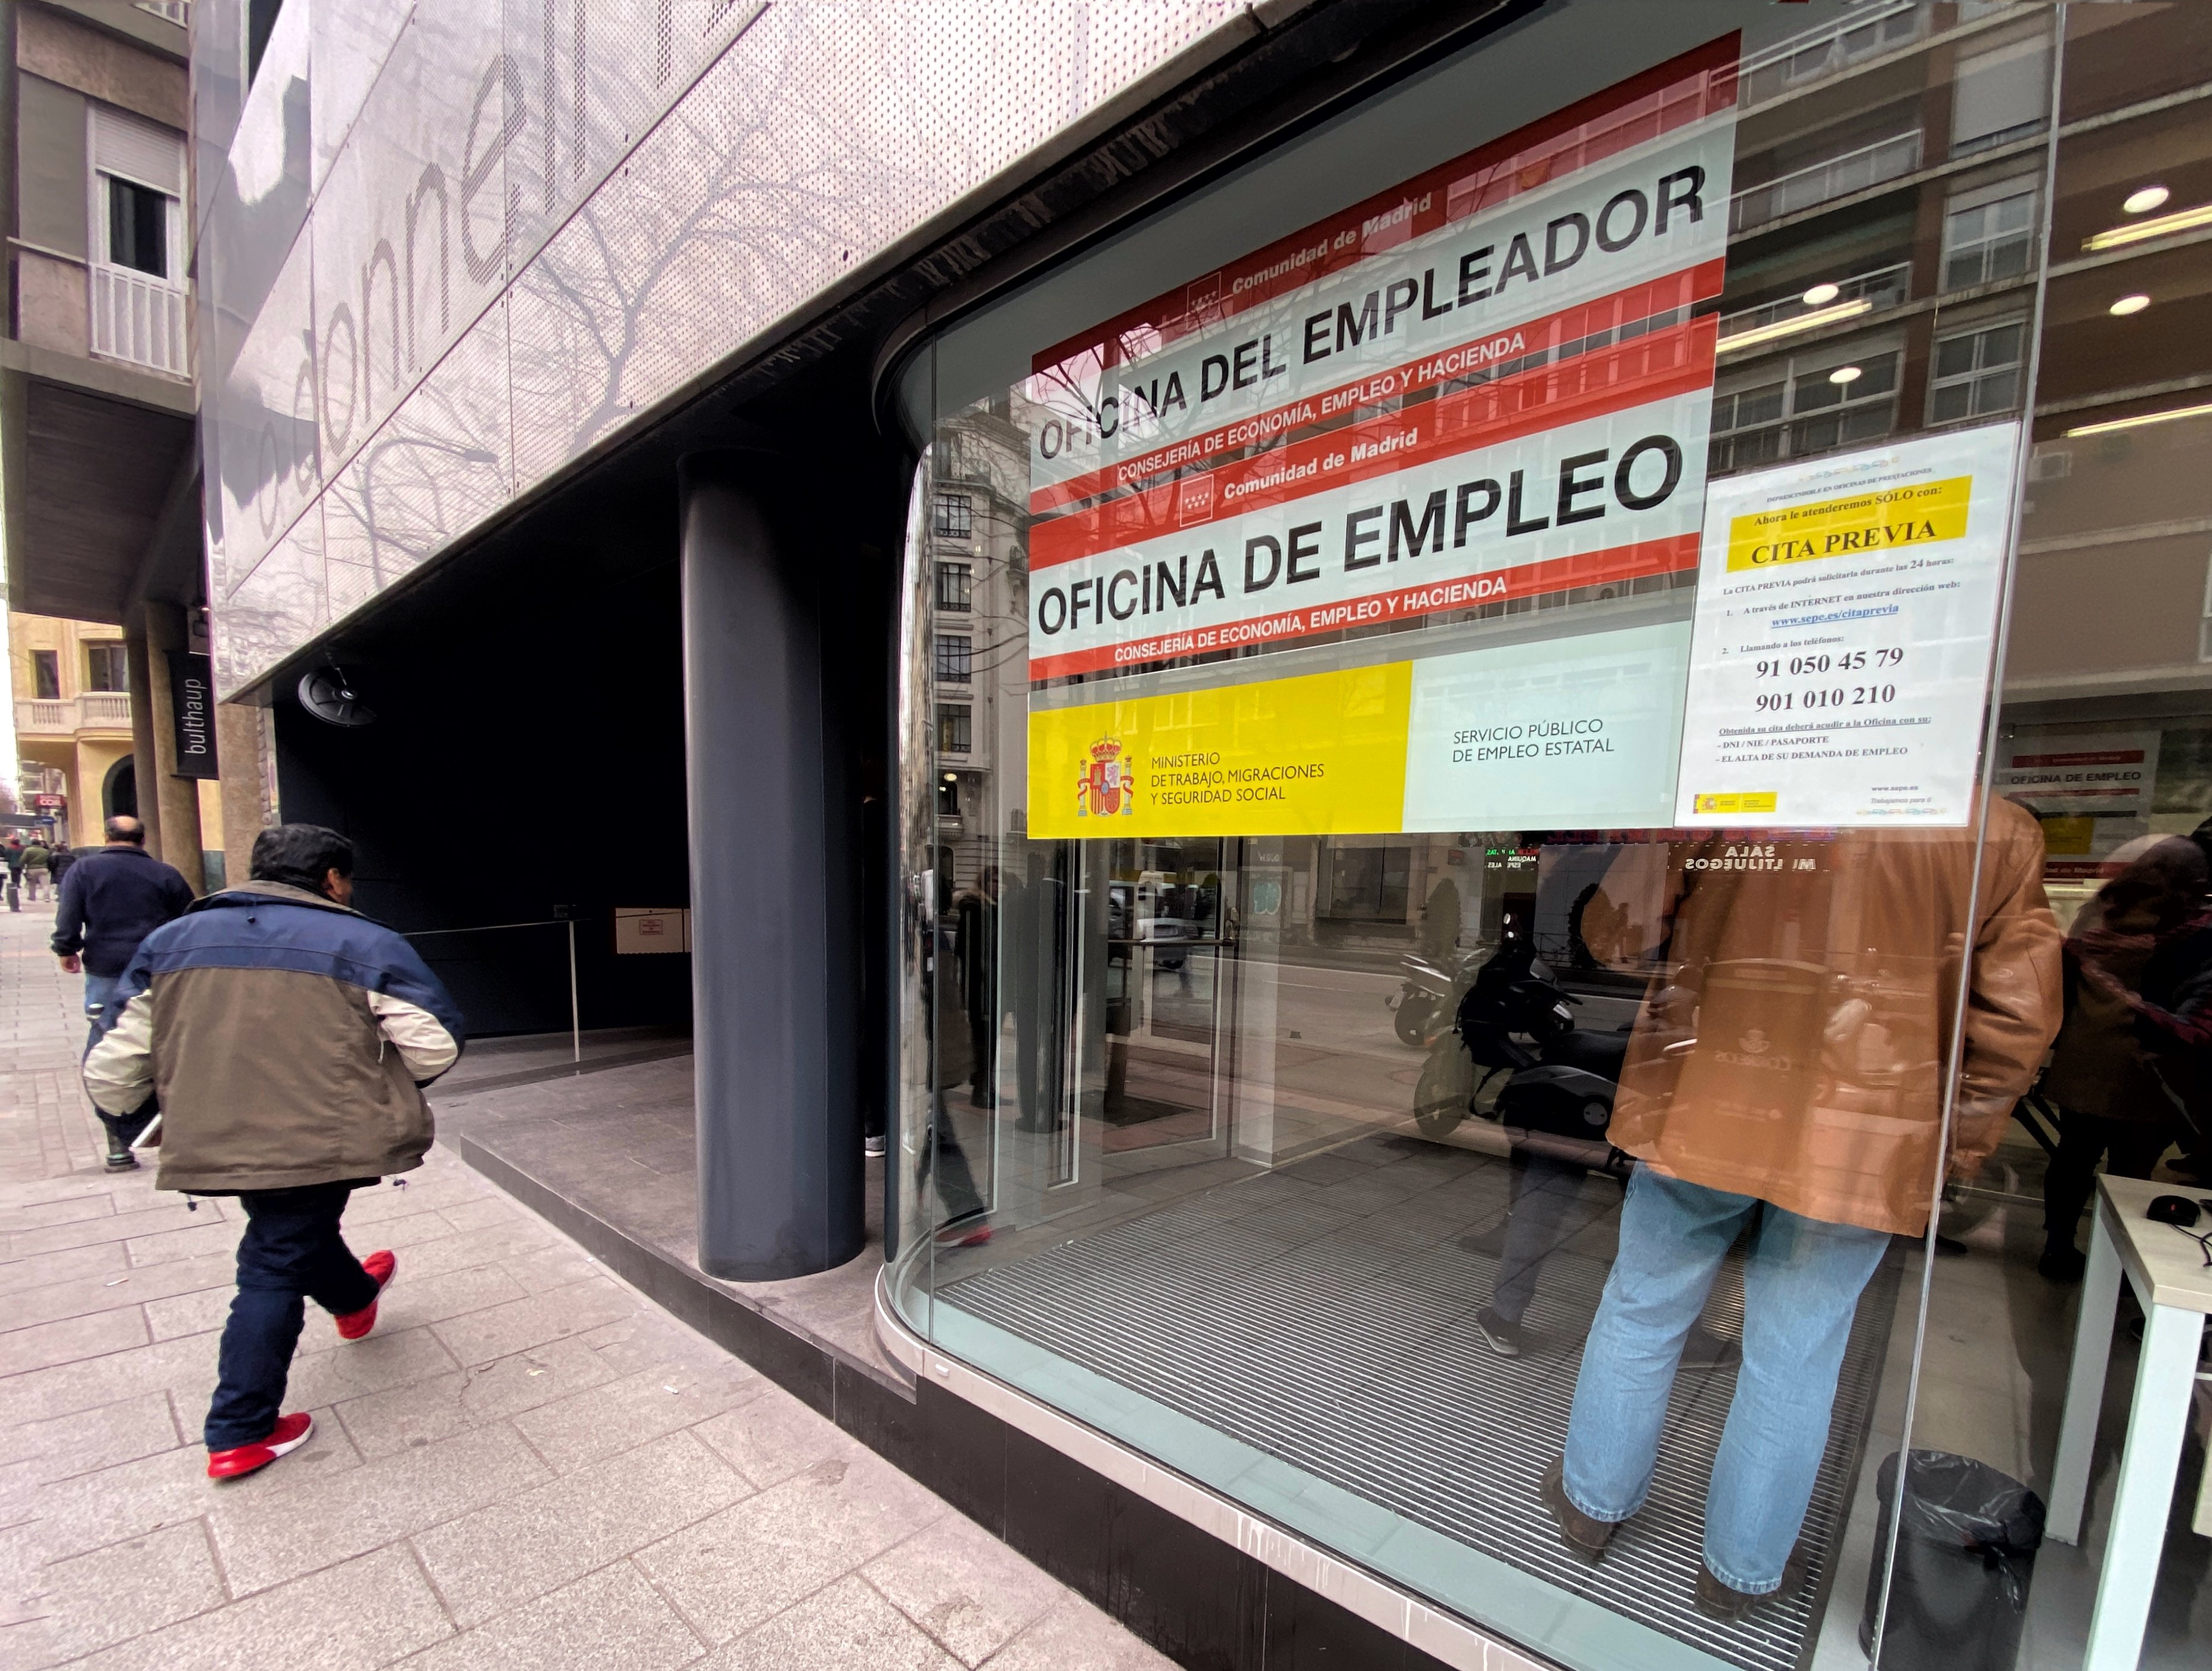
point(1423, 1006)
point(1514, 1055)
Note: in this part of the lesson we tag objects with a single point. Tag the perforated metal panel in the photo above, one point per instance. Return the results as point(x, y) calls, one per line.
point(526, 221)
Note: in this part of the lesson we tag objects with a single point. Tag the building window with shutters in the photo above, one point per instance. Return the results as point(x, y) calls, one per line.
point(138, 242)
point(955, 728)
point(952, 518)
point(1977, 373)
point(104, 667)
point(46, 676)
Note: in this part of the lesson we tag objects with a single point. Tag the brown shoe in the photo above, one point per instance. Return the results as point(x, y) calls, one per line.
point(1584, 1535)
point(1724, 1601)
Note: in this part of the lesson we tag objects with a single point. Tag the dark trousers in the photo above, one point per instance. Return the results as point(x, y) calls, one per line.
point(1543, 1192)
point(291, 1251)
point(2129, 1148)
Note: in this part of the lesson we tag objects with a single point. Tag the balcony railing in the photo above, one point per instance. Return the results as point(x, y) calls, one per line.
point(138, 319)
point(1869, 27)
point(1863, 292)
point(95, 710)
point(174, 10)
point(1839, 176)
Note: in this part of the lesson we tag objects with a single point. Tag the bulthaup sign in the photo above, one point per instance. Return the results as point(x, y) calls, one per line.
point(191, 710)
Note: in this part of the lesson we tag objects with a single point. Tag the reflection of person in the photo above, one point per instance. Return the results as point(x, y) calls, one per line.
point(1806, 1108)
point(966, 1220)
point(975, 911)
point(2104, 1074)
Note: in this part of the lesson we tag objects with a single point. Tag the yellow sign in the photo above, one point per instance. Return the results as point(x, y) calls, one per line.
point(1321, 755)
point(1754, 802)
point(1878, 520)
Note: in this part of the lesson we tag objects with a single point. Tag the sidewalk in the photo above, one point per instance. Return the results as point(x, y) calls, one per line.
point(528, 1465)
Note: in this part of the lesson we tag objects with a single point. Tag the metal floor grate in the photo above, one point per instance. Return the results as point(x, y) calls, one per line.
point(1325, 1315)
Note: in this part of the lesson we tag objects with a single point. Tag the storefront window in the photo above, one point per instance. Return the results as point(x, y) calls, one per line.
point(1579, 839)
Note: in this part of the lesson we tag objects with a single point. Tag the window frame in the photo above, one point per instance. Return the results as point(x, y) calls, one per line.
point(1974, 376)
point(110, 651)
point(944, 500)
point(956, 728)
point(1977, 200)
point(965, 572)
point(46, 669)
point(953, 659)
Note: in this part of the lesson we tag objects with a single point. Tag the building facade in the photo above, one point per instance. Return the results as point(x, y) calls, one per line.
point(98, 456)
point(1483, 727)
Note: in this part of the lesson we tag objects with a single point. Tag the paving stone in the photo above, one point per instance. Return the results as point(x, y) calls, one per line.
point(515, 1550)
point(341, 1370)
point(1077, 1637)
point(113, 1291)
point(774, 1437)
point(964, 1587)
point(456, 1251)
point(424, 1411)
point(355, 1617)
point(58, 1390)
point(844, 1626)
point(89, 1440)
point(535, 1319)
point(307, 1522)
point(485, 1212)
point(78, 1605)
point(609, 1621)
point(194, 1313)
point(109, 1227)
point(69, 1339)
point(732, 1572)
point(101, 1258)
point(208, 1233)
point(170, 1488)
point(70, 1210)
point(622, 1414)
point(552, 1267)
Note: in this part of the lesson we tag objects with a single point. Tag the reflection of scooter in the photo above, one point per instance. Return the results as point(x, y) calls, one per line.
point(1424, 1003)
point(1514, 1055)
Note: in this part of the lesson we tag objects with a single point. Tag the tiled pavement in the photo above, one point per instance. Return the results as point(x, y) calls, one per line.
point(528, 1465)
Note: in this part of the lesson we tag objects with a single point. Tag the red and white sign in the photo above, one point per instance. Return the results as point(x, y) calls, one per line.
point(1483, 383)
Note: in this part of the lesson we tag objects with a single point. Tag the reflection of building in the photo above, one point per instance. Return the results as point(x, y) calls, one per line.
point(100, 476)
point(978, 514)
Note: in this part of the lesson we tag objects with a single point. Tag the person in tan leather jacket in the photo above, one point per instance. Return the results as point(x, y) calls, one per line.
point(1788, 1082)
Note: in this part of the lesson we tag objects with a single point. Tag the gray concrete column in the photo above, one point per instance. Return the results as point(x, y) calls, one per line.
point(775, 983)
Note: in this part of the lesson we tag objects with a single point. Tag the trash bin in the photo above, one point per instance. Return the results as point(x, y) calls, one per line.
point(1964, 1560)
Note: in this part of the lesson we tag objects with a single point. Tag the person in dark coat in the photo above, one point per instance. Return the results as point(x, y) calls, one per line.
point(111, 901)
point(286, 1039)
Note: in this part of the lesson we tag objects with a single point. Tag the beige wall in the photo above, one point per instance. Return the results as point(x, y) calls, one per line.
point(63, 49)
point(67, 639)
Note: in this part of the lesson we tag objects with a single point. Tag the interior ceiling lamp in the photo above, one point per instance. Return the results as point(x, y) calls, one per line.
point(2145, 200)
point(2127, 305)
point(1812, 321)
point(2158, 226)
point(1845, 375)
point(2139, 420)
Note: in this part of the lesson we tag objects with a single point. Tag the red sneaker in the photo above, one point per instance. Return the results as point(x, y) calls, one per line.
point(288, 1435)
point(381, 1264)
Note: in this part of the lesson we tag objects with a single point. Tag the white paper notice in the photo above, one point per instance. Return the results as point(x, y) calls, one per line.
point(1845, 612)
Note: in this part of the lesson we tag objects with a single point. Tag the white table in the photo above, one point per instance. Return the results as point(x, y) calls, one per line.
point(2175, 1289)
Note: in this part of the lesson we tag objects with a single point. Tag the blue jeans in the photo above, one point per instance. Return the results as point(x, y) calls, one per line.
point(1801, 1280)
point(291, 1250)
point(99, 993)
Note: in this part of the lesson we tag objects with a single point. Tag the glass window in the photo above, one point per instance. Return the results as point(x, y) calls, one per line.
point(954, 658)
point(138, 228)
point(954, 728)
point(1977, 373)
point(1573, 1025)
point(1989, 240)
point(953, 517)
point(104, 668)
point(955, 586)
point(46, 675)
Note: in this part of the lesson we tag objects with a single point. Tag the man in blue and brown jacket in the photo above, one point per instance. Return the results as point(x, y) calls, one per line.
point(286, 1039)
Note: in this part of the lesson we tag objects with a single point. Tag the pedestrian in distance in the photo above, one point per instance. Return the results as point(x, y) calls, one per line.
point(38, 859)
point(64, 856)
point(13, 852)
point(287, 1039)
point(110, 901)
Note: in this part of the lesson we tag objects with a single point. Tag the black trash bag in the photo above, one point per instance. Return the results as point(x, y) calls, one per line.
point(1966, 1556)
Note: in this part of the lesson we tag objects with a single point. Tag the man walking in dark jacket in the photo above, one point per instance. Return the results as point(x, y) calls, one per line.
point(111, 901)
point(287, 1039)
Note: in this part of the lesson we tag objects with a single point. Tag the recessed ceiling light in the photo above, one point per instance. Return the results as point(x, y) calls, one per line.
point(2134, 304)
point(2142, 202)
point(2161, 225)
point(1845, 375)
point(2139, 420)
point(1821, 294)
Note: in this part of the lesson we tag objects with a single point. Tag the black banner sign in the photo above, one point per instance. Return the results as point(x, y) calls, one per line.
point(191, 707)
